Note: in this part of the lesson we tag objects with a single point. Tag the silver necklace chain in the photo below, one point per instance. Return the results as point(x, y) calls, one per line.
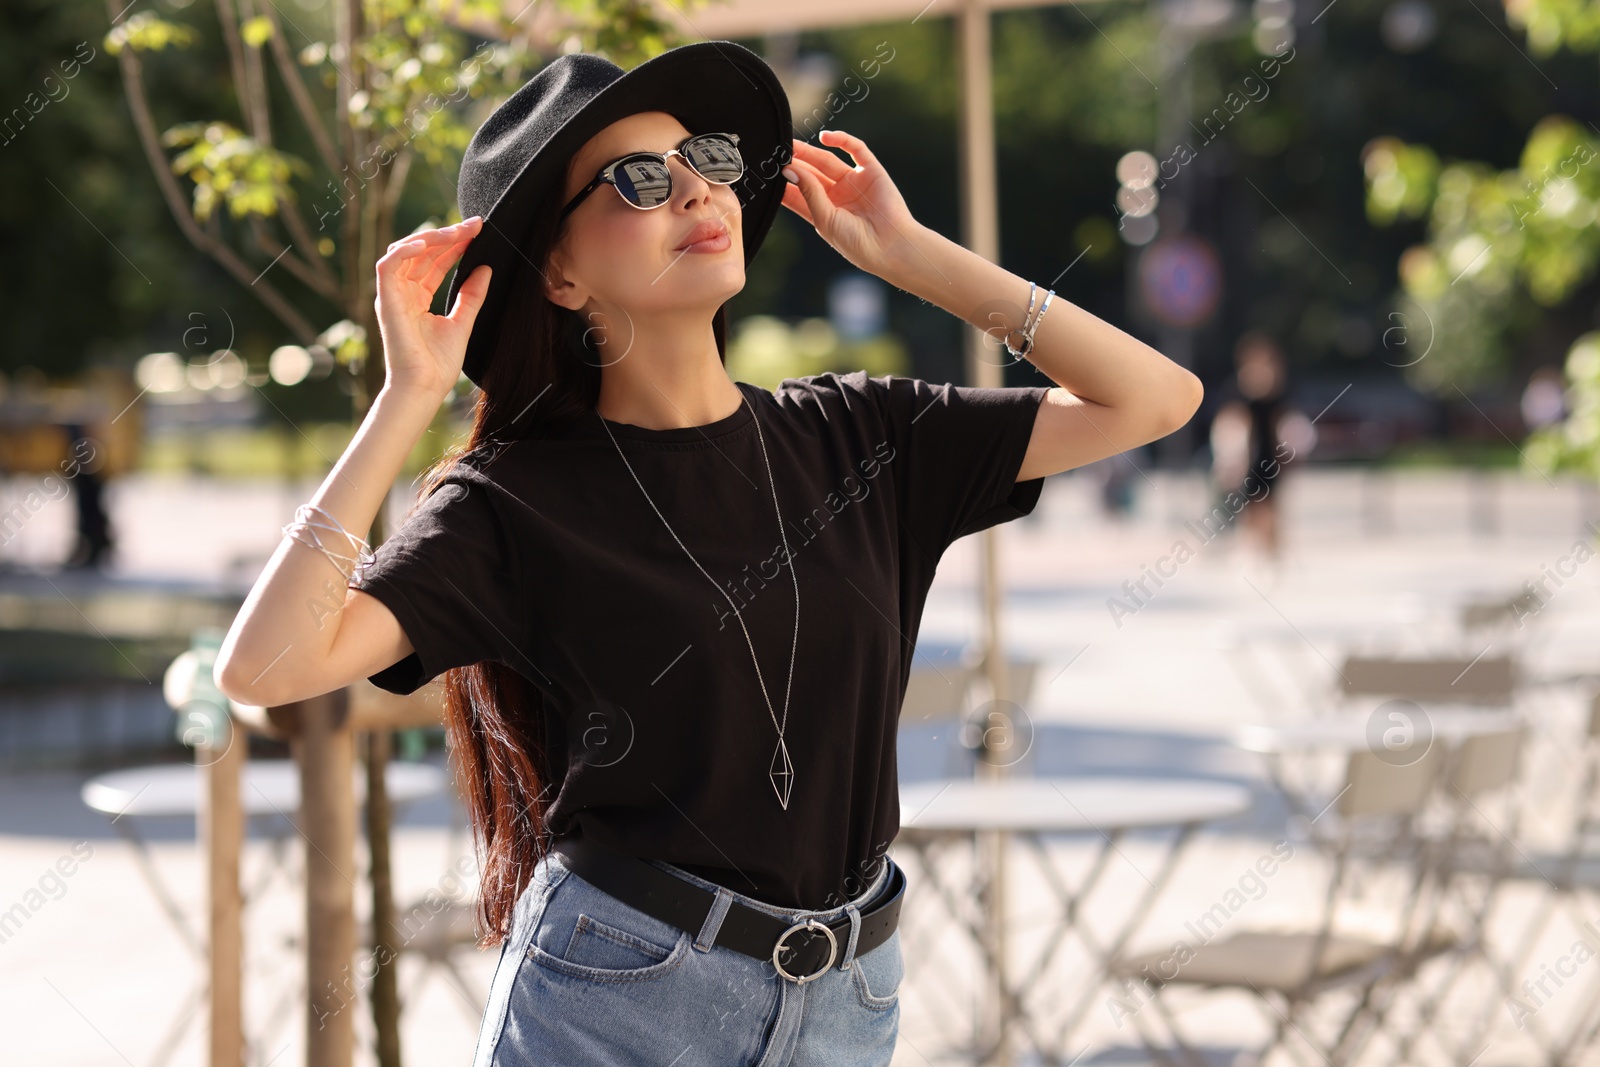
point(781, 771)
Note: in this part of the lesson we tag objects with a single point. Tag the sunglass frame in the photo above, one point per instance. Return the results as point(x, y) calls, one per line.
point(607, 174)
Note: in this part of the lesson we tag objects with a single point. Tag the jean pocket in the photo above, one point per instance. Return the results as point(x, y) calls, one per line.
point(878, 974)
point(602, 953)
point(597, 944)
point(587, 934)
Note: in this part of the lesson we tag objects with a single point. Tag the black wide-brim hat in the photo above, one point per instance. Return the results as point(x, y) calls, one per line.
point(515, 165)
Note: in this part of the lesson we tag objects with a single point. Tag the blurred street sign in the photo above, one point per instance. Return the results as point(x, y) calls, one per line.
point(1180, 280)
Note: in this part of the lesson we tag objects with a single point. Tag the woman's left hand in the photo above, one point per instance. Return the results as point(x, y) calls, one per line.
point(856, 209)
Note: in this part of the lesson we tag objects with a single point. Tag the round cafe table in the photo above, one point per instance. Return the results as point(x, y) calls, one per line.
point(1447, 725)
point(269, 789)
point(938, 816)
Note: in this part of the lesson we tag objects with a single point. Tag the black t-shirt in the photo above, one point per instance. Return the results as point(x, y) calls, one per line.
point(545, 555)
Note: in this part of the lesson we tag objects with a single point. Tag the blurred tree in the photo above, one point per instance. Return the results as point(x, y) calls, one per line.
point(1504, 247)
point(1496, 240)
point(369, 93)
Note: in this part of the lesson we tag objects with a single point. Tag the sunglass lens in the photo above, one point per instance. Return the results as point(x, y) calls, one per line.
point(644, 181)
point(716, 158)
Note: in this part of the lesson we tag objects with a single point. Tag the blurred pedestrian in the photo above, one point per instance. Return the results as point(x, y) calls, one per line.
point(1115, 475)
point(92, 549)
point(1247, 440)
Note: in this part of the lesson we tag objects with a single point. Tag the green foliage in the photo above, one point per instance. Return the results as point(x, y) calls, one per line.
point(625, 31)
point(280, 451)
point(257, 31)
point(1574, 443)
point(1099, 85)
point(412, 61)
point(347, 341)
point(1402, 179)
point(1451, 455)
point(417, 86)
point(765, 350)
point(1550, 24)
point(1493, 237)
point(227, 166)
point(414, 67)
point(1493, 234)
point(148, 32)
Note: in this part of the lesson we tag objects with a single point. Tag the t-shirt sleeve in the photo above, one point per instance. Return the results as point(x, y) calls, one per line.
point(957, 451)
point(449, 576)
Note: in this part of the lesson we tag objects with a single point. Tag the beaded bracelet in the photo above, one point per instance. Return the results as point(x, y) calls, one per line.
point(307, 529)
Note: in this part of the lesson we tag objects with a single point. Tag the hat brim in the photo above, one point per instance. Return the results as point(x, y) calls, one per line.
point(709, 86)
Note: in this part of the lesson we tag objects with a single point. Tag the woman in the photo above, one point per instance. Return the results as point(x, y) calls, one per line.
point(682, 784)
point(1248, 443)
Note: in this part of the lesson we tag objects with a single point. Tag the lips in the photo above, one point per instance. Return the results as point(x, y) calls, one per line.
point(703, 232)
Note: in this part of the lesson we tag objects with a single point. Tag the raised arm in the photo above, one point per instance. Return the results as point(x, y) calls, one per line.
point(1114, 392)
point(301, 632)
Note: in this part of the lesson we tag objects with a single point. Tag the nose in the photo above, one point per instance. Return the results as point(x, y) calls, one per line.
point(686, 180)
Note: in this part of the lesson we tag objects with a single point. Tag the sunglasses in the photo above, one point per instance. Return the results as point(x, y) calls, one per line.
point(644, 180)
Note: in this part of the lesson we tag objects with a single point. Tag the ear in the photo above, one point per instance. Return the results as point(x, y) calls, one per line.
point(560, 289)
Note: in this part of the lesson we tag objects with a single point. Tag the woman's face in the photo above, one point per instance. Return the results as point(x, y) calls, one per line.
point(1260, 370)
point(611, 255)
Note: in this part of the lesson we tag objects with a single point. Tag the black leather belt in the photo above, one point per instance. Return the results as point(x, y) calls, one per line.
point(800, 951)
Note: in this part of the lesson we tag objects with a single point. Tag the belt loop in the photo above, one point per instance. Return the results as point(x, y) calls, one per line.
point(714, 917)
point(855, 932)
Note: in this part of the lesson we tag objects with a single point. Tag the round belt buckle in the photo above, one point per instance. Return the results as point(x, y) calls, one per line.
point(833, 951)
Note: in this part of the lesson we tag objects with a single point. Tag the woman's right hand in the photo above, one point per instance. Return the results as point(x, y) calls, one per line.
point(422, 351)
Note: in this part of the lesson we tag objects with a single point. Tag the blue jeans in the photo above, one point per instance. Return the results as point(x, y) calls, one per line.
point(585, 979)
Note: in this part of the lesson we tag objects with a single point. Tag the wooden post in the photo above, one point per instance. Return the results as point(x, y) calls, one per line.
point(222, 837)
point(385, 989)
point(980, 224)
point(324, 748)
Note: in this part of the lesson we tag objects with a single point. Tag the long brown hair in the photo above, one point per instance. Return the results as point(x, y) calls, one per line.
point(543, 376)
